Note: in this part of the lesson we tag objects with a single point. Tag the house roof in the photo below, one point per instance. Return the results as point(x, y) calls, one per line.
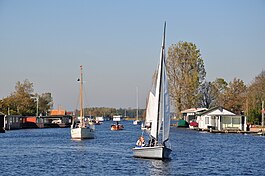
point(217, 111)
point(193, 110)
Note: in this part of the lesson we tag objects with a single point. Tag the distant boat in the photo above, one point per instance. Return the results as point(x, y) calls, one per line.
point(81, 128)
point(193, 125)
point(182, 123)
point(117, 126)
point(137, 121)
point(158, 115)
point(99, 120)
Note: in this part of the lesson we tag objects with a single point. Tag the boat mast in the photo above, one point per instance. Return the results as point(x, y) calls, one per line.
point(137, 111)
point(81, 95)
point(160, 85)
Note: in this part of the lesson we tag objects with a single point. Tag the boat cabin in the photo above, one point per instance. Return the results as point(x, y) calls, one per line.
point(221, 119)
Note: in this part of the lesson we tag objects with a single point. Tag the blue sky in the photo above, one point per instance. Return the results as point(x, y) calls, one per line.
point(118, 44)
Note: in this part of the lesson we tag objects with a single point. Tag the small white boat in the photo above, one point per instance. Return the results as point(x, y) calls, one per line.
point(99, 120)
point(137, 121)
point(81, 129)
point(158, 116)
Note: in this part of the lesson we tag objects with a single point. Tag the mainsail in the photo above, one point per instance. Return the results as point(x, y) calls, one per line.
point(159, 104)
point(166, 108)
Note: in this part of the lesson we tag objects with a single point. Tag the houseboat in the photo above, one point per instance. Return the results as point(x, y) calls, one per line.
point(220, 119)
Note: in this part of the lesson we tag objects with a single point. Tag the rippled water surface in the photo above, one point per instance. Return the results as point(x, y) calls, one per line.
point(52, 152)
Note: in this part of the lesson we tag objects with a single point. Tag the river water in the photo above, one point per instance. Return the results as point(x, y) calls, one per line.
point(52, 152)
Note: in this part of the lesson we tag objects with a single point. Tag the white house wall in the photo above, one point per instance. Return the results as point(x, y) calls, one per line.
point(204, 121)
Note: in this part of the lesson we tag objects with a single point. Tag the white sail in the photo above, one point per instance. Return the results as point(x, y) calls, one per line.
point(166, 107)
point(149, 109)
point(156, 117)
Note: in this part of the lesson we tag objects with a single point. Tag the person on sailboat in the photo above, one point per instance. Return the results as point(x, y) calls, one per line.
point(140, 142)
point(151, 142)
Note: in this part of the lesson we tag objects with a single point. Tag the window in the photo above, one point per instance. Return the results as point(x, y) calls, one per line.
point(206, 120)
point(236, 120)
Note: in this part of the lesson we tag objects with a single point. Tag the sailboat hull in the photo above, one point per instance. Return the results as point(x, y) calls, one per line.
point(82, 133)
point(157, 152)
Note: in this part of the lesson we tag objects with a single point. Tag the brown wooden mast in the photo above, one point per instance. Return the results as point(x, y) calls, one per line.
point(81, 95)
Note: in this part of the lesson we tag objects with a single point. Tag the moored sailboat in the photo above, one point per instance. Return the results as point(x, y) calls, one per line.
point(137, 121)
point(81, 128)
point(157, 116)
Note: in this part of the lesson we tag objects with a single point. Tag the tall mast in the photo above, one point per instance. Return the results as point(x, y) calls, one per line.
point(81, 94)
point(160, 85)
point(137, 111)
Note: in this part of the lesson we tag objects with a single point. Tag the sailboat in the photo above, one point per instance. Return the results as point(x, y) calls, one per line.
point(81, 128)
point(136, 121)
point(157, 115)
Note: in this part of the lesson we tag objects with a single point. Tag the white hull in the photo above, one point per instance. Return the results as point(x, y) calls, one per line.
point(82, 133)
point(157, 152)
point(136, 122)
point(193, 128)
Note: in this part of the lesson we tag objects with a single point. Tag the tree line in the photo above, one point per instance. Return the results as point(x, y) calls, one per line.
point(188, 88)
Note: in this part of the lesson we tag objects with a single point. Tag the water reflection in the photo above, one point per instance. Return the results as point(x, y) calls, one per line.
point(160, 167)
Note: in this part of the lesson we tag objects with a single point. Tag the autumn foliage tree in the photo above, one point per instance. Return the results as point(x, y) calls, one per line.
point(235, 96)
point(186, 74)
point(230, 95)
point(255, 96)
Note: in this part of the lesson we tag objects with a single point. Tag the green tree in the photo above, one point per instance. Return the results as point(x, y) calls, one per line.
point(45, 103)
point(22, 101)
point(22, 98)
point(186, 74)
